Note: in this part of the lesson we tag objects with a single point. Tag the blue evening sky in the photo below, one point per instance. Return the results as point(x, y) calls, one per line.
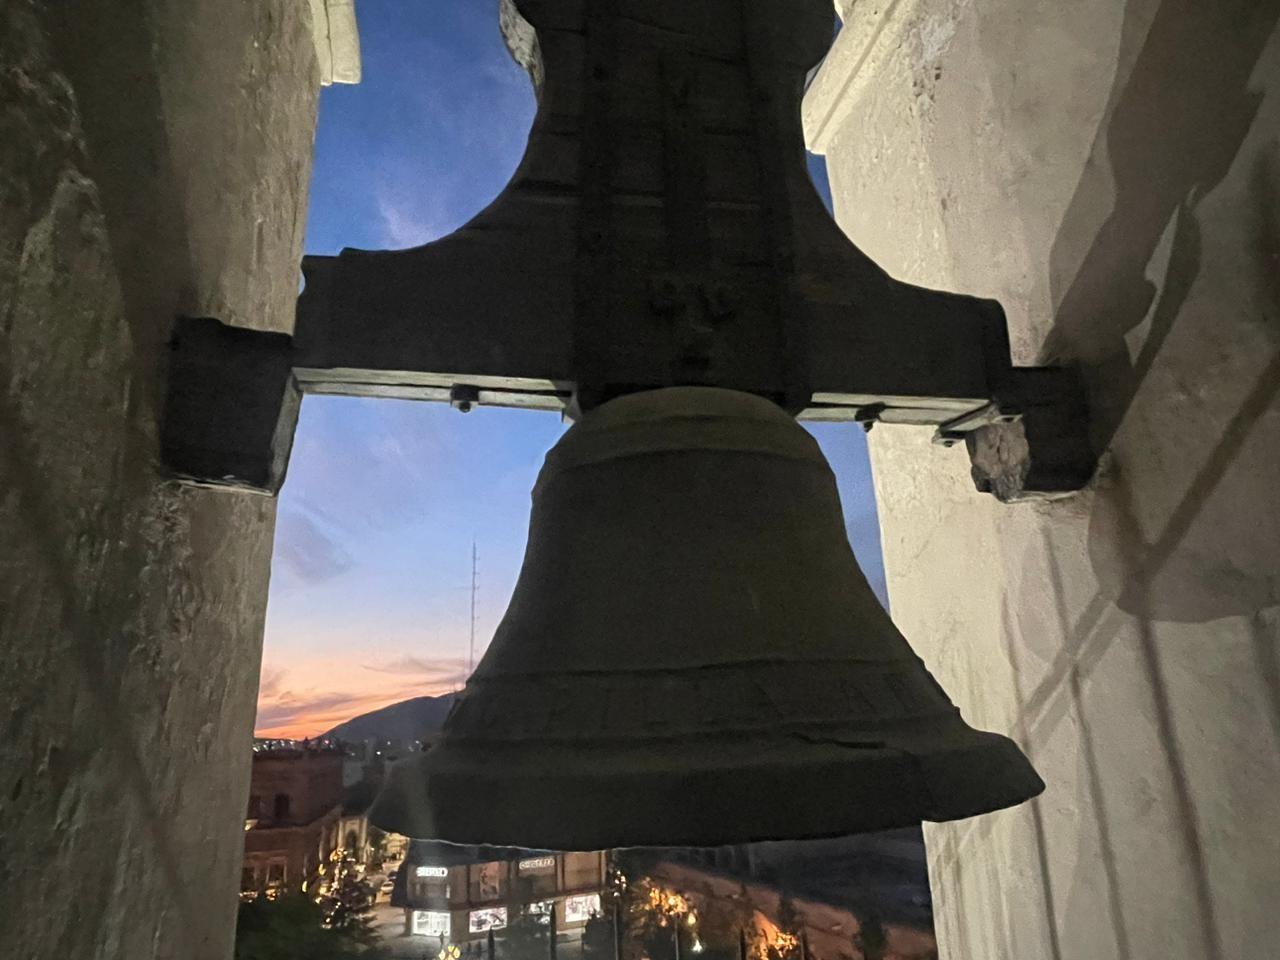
point(370, 597)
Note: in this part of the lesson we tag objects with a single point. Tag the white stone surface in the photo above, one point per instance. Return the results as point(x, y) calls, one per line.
point(333, 24)
point(1109, 171)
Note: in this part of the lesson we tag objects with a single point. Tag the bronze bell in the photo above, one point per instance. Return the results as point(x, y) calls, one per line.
point(692, 657)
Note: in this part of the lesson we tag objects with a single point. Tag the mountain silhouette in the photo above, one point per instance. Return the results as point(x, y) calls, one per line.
point(419, 718)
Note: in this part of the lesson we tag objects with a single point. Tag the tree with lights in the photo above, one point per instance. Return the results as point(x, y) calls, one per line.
point(292, 926)
point(786, 945)
point(349, 908)
point(659, 923)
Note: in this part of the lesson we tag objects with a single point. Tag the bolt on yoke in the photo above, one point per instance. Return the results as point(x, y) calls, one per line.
point(661, 230)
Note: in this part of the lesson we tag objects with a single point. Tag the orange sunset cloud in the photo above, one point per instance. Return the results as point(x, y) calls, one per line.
point(306, 698)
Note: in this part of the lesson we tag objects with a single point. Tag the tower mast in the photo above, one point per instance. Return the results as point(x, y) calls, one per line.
point(471, 649)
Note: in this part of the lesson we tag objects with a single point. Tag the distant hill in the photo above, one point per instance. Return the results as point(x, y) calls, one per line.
point(408, 720)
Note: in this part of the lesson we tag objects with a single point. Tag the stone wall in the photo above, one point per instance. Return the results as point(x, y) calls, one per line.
point(154, 160)
point(1111, 172)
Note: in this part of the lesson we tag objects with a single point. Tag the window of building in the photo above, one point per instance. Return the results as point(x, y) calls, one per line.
point(275, 874)
point(582, 870)
point(280, 808)
point(431, 923)
point(494, 918)
point(486, 882)
point(538, 885)
point(537, 876)
point(539, 908)
point(429, 886)
point(248, 878)
point(582, 908)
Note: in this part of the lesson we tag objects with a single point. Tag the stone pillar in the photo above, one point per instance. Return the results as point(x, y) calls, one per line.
point(154, 161)
point(1111, 172)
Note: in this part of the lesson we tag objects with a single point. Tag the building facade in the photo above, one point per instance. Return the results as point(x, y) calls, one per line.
point(458, 894)
point(295, 820)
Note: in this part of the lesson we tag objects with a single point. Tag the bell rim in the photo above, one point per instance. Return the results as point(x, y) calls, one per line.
point(432, 795)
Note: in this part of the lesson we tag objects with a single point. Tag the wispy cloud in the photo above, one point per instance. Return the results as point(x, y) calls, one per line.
point(305, 549)
point(463, 129)
point(443, 669)
point(270, 683)
point(352, 463)
point(348, 447)
point(312, 712)
point(404, 221)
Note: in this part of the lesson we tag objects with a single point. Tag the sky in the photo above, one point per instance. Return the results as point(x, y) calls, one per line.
point(370, 581)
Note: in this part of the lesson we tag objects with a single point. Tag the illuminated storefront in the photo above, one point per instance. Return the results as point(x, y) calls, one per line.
point(581, 908)
point(431, 923)
point(464, 893)
point(492, 918)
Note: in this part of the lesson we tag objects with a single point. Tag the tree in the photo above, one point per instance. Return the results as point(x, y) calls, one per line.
point(786, 945)
point(292, 927)
point(871, 938)
point(597, 937)
point(722, 922)
point(655, 918)
point(525, 937)
point(349, 909)
point(377, 842)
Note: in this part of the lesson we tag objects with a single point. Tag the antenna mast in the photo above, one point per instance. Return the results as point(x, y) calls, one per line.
point(471, 650)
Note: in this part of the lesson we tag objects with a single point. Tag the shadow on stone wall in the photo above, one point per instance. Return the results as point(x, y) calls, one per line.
point(89, 125)
point(128, 157)
point(1173, 129)
point(130, 609)
point(1171, 132)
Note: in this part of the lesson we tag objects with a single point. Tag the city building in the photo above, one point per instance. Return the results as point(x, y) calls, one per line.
point(295, 818)
point(458, 894)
